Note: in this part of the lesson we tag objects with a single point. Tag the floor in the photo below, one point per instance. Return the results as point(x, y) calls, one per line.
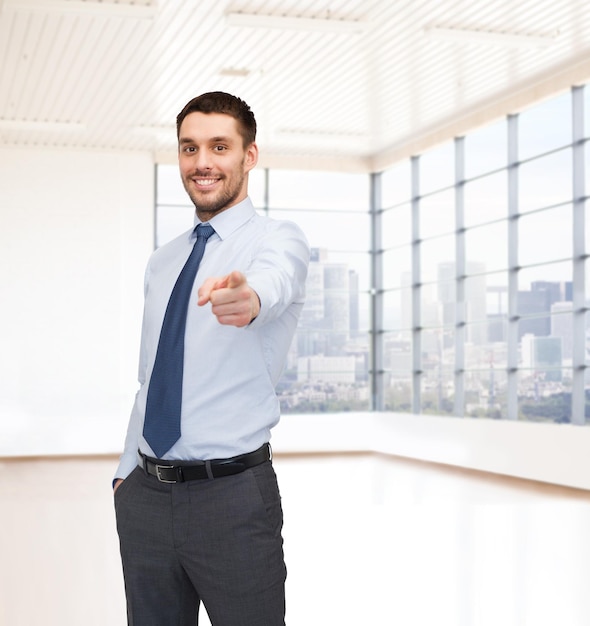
point(368, 540)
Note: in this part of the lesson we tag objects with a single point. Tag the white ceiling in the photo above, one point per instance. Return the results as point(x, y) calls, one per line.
point(113, 75)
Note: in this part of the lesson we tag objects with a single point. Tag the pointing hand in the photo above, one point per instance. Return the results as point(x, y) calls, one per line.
point(233, 301)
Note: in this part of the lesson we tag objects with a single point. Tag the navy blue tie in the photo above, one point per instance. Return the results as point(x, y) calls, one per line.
point(164, 398)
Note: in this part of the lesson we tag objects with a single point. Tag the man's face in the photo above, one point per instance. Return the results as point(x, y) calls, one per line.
point(213, 163)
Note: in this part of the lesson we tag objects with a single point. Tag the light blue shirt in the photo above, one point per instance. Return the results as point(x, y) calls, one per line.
point(229, 402)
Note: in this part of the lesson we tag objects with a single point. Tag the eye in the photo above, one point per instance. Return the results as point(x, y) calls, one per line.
point(190, 149)
point(219, 148)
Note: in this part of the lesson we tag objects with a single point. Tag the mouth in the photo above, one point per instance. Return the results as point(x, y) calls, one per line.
point(204, 183)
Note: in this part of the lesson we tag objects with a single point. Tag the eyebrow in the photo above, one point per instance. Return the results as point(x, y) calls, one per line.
point(220, 139)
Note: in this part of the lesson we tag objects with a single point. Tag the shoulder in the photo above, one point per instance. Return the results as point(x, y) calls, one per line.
point(172, 249)
point(268, 227)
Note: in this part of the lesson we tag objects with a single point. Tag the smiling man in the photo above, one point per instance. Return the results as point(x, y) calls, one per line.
point(198, 507)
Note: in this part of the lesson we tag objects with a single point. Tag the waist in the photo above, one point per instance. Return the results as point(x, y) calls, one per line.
point(182, 471)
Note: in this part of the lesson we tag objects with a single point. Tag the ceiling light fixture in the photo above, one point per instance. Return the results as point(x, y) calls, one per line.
point(235, 72)
point(309, 24)
point(487, 37)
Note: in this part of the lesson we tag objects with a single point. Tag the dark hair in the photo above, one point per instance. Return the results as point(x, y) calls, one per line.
point(221, 102)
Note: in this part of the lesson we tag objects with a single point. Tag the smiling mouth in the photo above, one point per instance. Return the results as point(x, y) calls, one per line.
point(205, 182)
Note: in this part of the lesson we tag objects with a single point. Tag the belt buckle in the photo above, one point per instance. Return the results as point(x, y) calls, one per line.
point(159, 469)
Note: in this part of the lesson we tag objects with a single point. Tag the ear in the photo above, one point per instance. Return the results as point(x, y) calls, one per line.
point(251, 157)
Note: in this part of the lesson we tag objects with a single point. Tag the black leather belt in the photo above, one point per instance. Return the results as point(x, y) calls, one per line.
point(167, 472)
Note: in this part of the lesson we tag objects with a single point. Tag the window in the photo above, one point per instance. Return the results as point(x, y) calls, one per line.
point(481, 288)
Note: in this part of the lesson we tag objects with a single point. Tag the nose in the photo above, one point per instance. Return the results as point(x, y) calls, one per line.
point(202, 160)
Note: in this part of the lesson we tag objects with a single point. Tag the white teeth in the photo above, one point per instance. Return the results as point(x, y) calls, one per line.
point(205, 181)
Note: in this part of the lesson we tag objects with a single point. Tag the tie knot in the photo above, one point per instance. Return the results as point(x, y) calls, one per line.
point(205, 230)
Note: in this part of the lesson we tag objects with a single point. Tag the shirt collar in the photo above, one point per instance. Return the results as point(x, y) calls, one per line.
point(229, 220)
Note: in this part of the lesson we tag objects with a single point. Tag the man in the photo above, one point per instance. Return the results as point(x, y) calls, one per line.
point(198, 508)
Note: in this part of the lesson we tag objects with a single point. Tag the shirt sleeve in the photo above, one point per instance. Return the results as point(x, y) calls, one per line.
point(278, 270)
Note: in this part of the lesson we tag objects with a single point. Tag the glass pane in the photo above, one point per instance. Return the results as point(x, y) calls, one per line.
point(544, 391)
point(257, 187)
point(437, 214)
point(397, 357)
point(328, 191)
point(397, 309)
point(438, 346)
point(397, 354)
point(169, 186)
point(336, 231)
point(486, 248)
point(491, 350)
point(542, 290)
point(398, 394)
point(434, 253)
point(545, 236)
point(485, 392)
point(437, 168)
point(173, 220)
point(534, 322)
point(438, 379)
point(545, 182)
point(486, 199)
point(397, 265)
point(396, 226)
point(357, 264)
point(556, 277)
point(496, 293)
point(492, 354)
point(396, 184)
point(561, 327)
point(486, 149)
point(586, 112)
point(361, 306)
point(545, 126)
point(437, 304)
point(476, 302)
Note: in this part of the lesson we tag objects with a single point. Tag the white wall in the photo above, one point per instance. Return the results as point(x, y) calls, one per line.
point(76, 229)
point(551, 453)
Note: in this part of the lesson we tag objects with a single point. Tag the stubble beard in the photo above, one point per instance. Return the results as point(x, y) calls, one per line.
point(208, 206)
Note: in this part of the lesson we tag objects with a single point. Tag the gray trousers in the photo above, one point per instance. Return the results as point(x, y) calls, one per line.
point(214, 541)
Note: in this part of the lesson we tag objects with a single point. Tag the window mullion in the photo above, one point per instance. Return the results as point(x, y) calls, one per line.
point(376, 331)
point(460, 265)
point(416, 290)
point(512, 331)
point(579, 260)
